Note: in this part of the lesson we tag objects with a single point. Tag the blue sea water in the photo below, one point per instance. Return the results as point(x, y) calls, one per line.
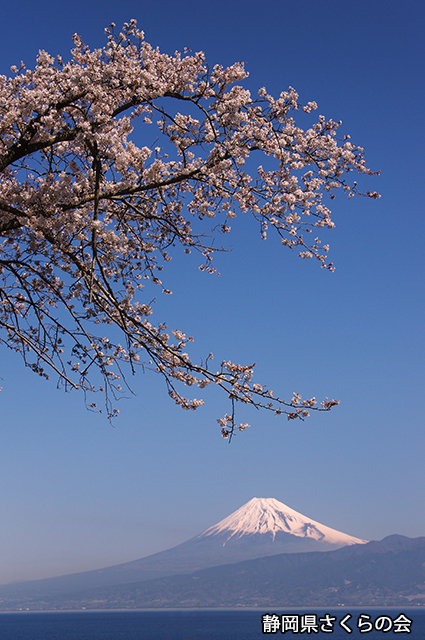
point(205, 624)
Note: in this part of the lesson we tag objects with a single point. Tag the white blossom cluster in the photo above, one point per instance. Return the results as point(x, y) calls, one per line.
point(87, 214)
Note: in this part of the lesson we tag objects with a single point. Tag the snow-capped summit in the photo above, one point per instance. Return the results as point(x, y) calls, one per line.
point(269, 516)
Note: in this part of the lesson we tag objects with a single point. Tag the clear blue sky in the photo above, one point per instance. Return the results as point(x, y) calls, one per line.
point(78, 494)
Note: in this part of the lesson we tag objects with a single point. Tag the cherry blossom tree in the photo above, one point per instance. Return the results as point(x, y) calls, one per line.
point(87, 215)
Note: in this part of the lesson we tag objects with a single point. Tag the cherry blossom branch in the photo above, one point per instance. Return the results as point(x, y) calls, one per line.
point(88, 214)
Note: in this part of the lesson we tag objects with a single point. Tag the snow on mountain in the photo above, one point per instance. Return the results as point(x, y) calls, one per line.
point(267, 515)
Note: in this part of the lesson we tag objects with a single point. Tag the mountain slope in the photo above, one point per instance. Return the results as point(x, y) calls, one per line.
point(386, 573)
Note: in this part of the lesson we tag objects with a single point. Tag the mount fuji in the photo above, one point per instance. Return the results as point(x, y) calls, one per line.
point(261, 527)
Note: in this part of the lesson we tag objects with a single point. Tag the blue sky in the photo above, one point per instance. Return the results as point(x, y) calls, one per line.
point(76, 493)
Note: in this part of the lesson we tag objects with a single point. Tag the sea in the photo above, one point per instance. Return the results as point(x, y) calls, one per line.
point(213, 624)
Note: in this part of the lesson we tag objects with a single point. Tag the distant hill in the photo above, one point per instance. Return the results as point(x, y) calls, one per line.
point(386, 573)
